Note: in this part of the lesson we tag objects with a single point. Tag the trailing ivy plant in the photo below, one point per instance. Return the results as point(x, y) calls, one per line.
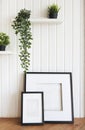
point(22, 26)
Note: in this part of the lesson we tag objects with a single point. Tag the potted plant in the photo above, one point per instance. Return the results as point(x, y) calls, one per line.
point(4, 41)
point(22, 26)
point(53, 11)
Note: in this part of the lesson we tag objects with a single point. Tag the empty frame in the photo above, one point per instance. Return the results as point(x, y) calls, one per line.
point(32, 110)
point(57, 89)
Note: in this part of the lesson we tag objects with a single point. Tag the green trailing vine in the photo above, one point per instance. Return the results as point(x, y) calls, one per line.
point(22, 26)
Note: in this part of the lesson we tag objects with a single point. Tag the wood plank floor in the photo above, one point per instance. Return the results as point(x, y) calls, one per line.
point(14, 124)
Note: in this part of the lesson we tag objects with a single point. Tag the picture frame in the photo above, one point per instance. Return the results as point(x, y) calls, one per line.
point(58, 95)
point(32, 108)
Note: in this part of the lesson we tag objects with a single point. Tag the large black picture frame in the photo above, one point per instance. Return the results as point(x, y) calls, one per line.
point(33, 82)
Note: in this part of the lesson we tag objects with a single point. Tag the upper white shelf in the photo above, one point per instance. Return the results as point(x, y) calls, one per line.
point(45, 20)
point(6, 53)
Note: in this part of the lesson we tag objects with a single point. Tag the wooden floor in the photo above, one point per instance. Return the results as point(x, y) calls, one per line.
point(14, 124)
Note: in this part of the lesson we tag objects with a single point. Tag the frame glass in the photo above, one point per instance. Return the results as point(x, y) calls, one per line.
point(32, 110)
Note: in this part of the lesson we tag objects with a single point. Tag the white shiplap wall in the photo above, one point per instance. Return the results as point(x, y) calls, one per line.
point(54, 48)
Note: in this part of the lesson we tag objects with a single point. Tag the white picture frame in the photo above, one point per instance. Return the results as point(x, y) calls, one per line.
point(58, 108)
point(32, 109)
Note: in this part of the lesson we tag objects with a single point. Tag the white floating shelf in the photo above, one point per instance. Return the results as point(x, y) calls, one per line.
point(6, 53)
point(45, 20)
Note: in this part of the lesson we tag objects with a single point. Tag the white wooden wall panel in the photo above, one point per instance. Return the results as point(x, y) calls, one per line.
point(52, 45)
point(54, 48)
point(36, 9)
point(28, 5)
point(82, 59)
point(0, 65)
point(44, 48)
point(60, 39)
point(60, 48)
point(5, 89)
point(68, 35)
point(76, 55)
point(36, 48)
point(0, 88)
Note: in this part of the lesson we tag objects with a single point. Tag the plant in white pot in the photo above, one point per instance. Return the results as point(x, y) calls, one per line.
point(4, 41)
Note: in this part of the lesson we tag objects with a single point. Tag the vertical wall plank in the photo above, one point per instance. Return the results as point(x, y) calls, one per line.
point(76, 56)
point(61, 11)
point(13, 86)
point(28, 5)
point(1, 64)
point(12, 11)
point(44, 38)
point(60, 39)
point(1, 15)
point(82, 59)
point(52, 47)
point(20, 74)
point(68, 35)
point(44, 48)
point(36, 37)
point(60, 48)
point(44, 7)
point(20, 5)
point(5, 101)
point(36, 9)
point(0, 86)
point(4, 16)
point(36, 48)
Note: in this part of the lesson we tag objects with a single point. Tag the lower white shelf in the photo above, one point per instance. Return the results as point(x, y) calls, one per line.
point(7, 53)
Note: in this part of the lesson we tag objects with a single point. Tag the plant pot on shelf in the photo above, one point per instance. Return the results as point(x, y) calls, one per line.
point(4, 41)
point(2, 48)
point(53, 15)
point(53, 10)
